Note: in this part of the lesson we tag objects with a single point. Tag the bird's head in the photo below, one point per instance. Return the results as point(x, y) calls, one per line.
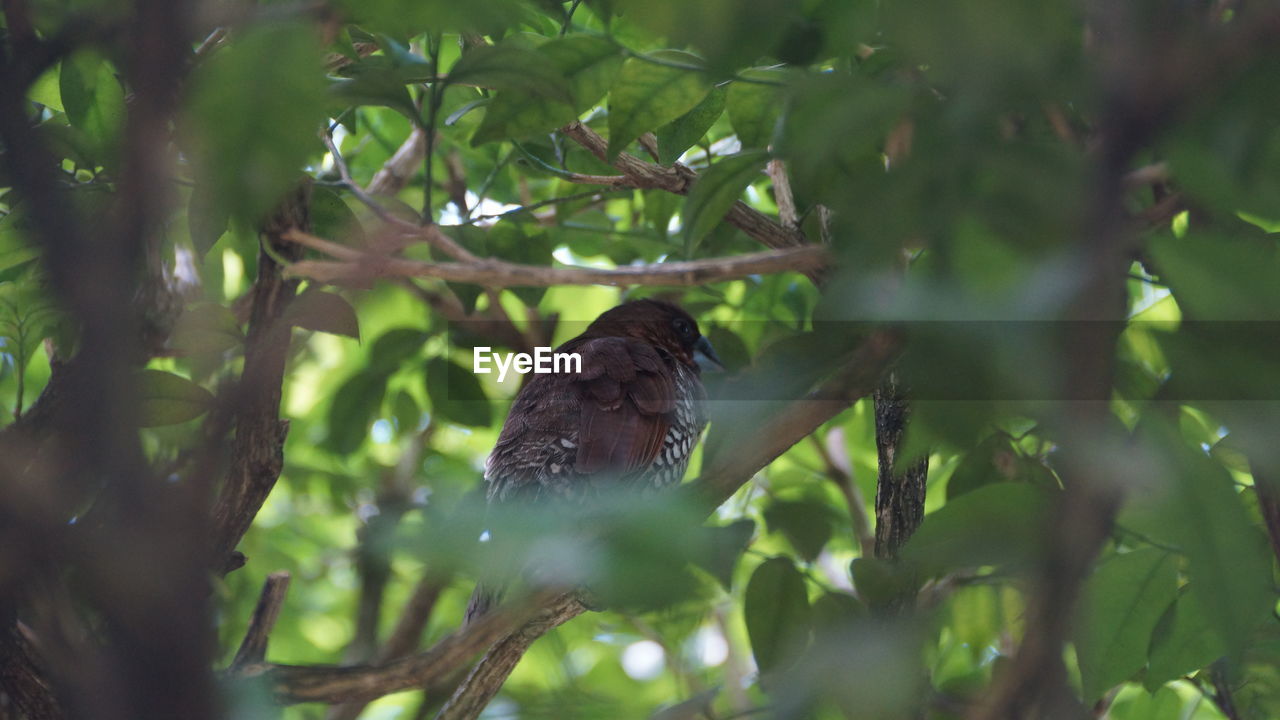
point(661, 324)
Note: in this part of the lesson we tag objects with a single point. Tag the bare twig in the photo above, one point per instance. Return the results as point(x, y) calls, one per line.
point(836, 458)
point(253, 649)
point(782, 194)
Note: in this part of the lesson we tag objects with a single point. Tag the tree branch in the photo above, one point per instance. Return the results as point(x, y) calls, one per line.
point(487, 677)
point(254, 646)
point(488, 272)
point(678, 179)
point(429, 669)
point(257, 449)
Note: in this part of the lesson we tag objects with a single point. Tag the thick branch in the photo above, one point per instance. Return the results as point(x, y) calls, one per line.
point(487, 677)
point(429, 669)
point(899, 495)
point(254, 646)
point(499, 274)
point(257, 450)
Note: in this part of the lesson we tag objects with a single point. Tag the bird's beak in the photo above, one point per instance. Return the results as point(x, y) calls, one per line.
point(705, 355)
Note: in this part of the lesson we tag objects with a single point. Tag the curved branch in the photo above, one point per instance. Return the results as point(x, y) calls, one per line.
point(429, 669)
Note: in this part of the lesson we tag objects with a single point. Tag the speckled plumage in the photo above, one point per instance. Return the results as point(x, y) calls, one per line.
point(631, 417)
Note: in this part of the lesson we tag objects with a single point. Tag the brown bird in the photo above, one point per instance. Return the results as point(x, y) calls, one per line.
point(630, 418)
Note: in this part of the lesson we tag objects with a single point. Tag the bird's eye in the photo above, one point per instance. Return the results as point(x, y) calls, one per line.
point(683, 328)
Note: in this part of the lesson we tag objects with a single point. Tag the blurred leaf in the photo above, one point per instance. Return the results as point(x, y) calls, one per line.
point(993, 460)
point(1199, 511)
point(777, 611)
point(206, 219)
point(46, 90)
point(805, 523)
point(374, 86)
point(456, 394)
point(94, 101)
point(352, 410)
point(1183, 642)
point(270, 71)
point(15, 240)
point(168, 399)
point(587, 63)
point(647, 96)
point(696, 707)
point(684, 132)
point(394, 347)
point(507, 67)
point(993, 525)
point(323, 312)
point(715, 192)
point(725, 546)
point(835, 611)
point(406, 412)
point(206, 328)
point(332, 218)
point(1120, 605)
point(754, 107)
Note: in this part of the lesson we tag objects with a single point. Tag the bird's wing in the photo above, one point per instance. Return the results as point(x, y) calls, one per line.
point(627, 395)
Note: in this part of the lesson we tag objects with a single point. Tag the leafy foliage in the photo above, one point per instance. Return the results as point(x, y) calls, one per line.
point(949, 155)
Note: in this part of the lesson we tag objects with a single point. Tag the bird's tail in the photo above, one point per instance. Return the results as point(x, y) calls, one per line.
point(483, 599)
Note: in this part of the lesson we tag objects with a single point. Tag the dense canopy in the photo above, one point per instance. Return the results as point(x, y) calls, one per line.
point(995, 283)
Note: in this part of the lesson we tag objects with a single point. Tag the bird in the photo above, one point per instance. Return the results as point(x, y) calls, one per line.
point(628, 418)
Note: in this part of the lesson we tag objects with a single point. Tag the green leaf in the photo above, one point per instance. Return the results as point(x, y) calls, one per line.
point(94, 101)
point(836, 611)
point(324, 312)
point(993, 460)
point(805, 523)
point(647, 96)
point(332, 218)
point(352, 410)
point(506, 67)
point(206, 328)
point(406, 412)
point(374, 86)
point(589, 64)
point(456, 394)
point(271, 71)
point(15, 240)
point(725, 545)
point(1120, 605)
point(1200, 512)
point(998, 524)
point(754, 108)
point(167, 399)
point(206, 220)
point(777, 612)
point(394, 347)
point(46, 90)
point(715, 192)
point(684, 132)
point(1184, 641)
